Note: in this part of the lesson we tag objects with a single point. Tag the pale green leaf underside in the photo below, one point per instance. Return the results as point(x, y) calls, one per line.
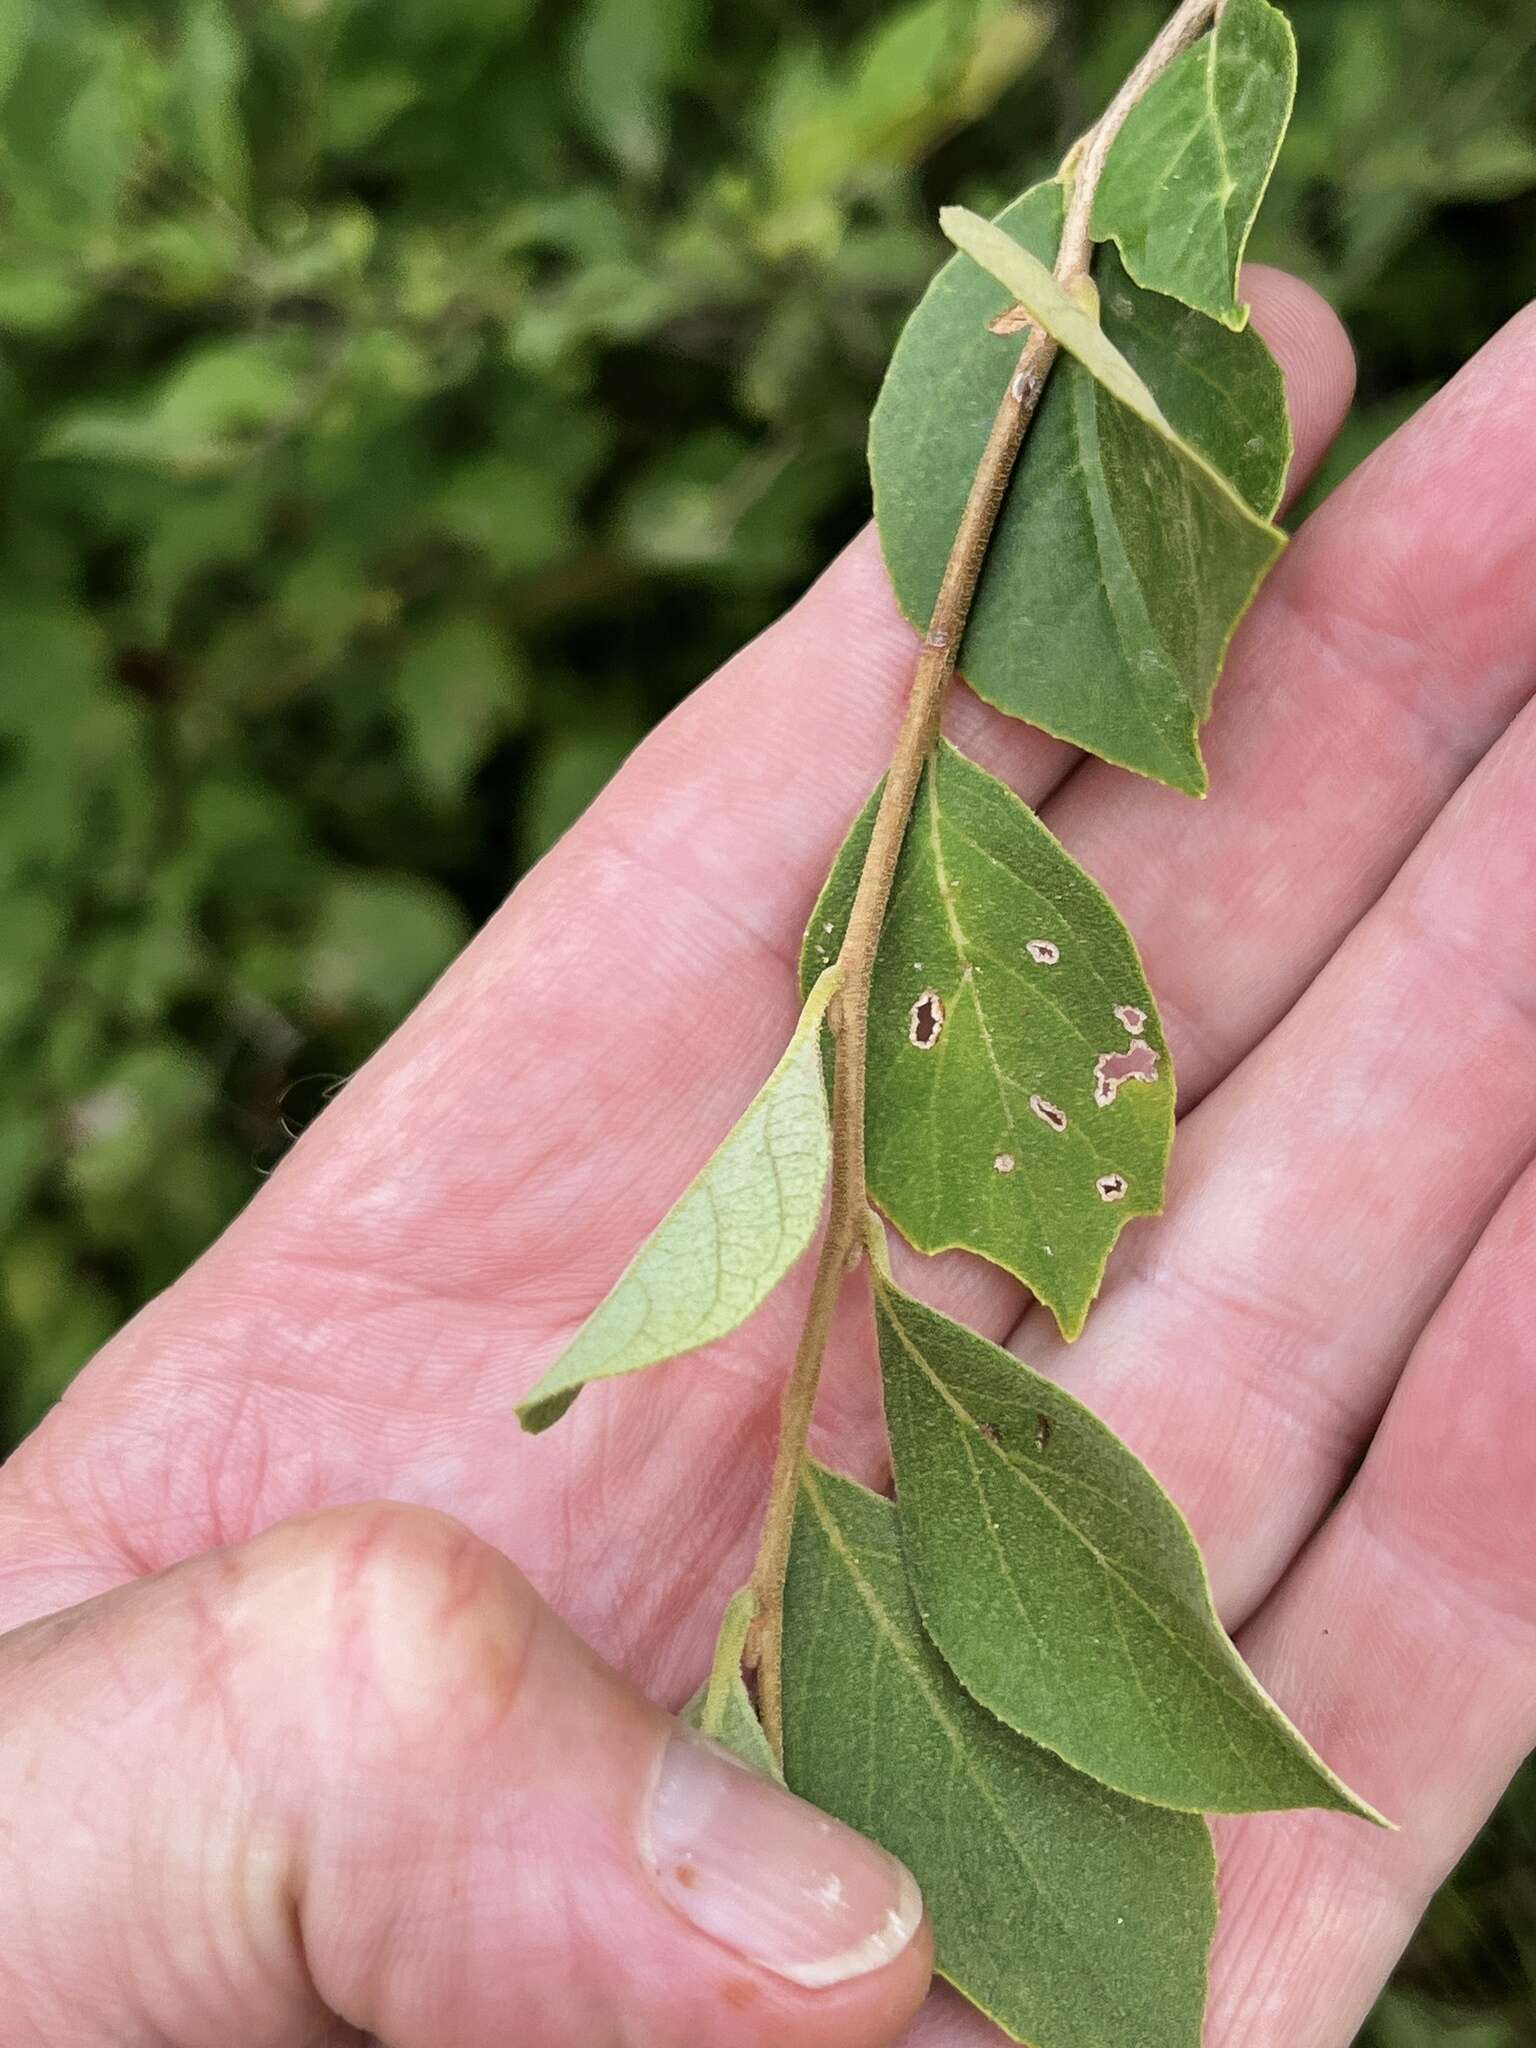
point(1064, 1588)
point(737, 1728)
point(722, 1707)
point(1121, 562)
point(721, 1251)
point(1073, 1916)
point(1037, 1121)
point(1049, 305)
point(1188, 171)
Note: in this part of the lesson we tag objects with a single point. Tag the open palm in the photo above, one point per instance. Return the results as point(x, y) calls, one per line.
point(1342, 945)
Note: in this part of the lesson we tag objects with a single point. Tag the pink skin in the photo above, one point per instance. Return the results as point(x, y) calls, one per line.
point(1347, 979)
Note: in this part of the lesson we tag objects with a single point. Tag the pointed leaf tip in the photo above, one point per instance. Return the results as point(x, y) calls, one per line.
point(725, 1245)
point(1064, 1588)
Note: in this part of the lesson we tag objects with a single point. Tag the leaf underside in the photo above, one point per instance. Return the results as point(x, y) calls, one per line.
point(1070, 1915)
point(739, 1729)
point(1188, 172)
point(724, 1246)
point(1119, 568)
point(722, 1707)
point(1020, 1094)
point(1063, 1586)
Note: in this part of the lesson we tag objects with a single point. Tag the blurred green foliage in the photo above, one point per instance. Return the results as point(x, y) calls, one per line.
point(403, 402)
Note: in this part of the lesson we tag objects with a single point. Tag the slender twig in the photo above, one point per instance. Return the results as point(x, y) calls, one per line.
point(845, 1240)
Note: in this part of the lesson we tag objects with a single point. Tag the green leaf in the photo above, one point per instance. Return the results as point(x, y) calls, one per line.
point(1020, 1094)
point(377, 942)
point(1122, 561)
point(1072, 1916)
point(457, 690)
point(1063, 1586)
point(17, 19)
point(726, 1244)
point(1073, 321)
point(569, 771)
point(211, 72)
point(737, 1727)
point(1188, 171)
point(628, 54)
point(722, 1707)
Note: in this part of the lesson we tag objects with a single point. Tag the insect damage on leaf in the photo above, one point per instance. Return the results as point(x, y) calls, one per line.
point(1074, 1917)
point(1068, 1596)
point(926, 1021)
point(995, 1141)
point(725, 1245)
point(1135, 531)
point(1111, 1070)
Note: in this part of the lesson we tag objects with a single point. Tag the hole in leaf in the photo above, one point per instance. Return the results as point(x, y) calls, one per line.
point(926, 1020)
point(1139, 1062)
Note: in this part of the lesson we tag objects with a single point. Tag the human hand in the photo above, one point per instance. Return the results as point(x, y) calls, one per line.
point(354, 1768)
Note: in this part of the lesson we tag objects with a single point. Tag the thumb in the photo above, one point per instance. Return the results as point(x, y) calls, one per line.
point(354, 1776)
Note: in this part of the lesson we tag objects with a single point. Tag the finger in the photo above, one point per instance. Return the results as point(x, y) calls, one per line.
point(354, 1778)
point(1405, 1643)
point(1326, 1195)
point(1392, 644)
point(1308, 340)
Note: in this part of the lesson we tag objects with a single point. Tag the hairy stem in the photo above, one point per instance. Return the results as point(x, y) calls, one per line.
point(846, 1235)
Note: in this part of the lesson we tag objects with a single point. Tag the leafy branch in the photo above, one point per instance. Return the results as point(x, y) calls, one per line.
point(1016, 1667)
point(845, 1232)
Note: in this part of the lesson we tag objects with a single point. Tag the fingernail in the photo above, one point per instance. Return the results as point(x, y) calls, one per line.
point(768, 1876)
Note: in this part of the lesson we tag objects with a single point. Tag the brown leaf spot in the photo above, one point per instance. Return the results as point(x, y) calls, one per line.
point(1042, 1429)
point(925, 1020)
point(1048, 1113)
point(989, 1431)
point(1139, 1062)
point(1044, 952)
point(1004, 1163)
point(1014, 321)
point(1112, 1187)
point(1134, 1020)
